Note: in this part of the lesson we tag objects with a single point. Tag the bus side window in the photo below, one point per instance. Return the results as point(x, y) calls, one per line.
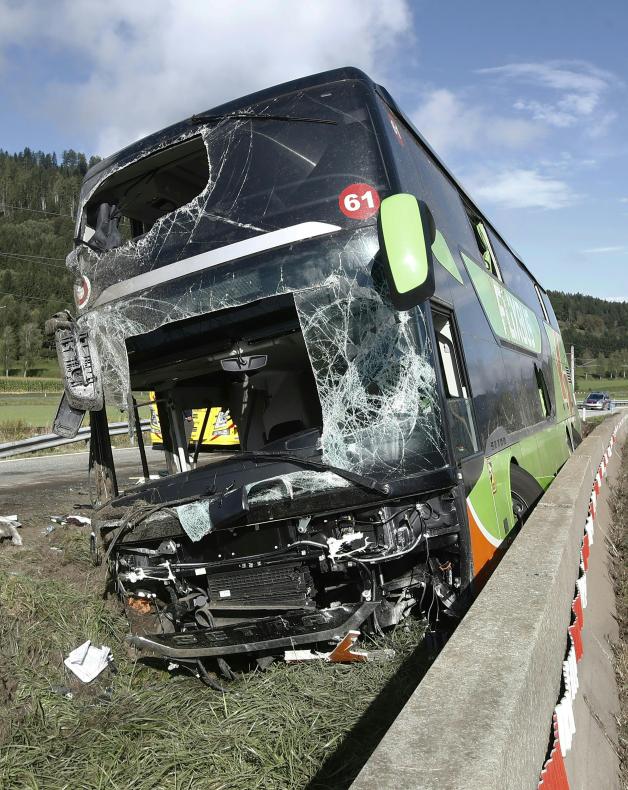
point(486, 248)
point(542, 303)
point(544, 396)
point(457, 397)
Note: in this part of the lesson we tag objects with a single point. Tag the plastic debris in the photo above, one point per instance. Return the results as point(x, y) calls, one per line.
point(88, 661)
point(343, 653)
point(79, 521)
point(8, 529)
point(341, 547)
point(74, 520)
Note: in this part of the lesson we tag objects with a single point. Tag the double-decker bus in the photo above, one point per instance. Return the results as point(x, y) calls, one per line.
point(395, 373)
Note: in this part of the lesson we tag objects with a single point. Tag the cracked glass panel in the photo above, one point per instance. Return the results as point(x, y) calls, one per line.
point(375, 379)
point(272, 167)
point(293, 485)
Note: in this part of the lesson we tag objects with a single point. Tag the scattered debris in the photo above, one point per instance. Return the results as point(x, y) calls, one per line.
point(88, 661)
point(73, 519)
point(141, 605)
point(343, 653)
point(343, 546)
point(141, 480)
point(50, 528)
point(63, 691)
point(79, 521)
point(263, 662)
point(8, 529)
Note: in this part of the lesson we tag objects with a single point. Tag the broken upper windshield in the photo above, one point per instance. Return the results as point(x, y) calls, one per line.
point(243, 176)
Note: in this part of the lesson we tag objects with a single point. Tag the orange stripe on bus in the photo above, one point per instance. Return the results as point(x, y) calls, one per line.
point(481, 550)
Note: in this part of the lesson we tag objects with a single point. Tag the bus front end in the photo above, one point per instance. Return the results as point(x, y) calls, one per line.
point(233, 261)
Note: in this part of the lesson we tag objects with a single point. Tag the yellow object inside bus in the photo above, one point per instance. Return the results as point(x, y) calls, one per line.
point(220, 430)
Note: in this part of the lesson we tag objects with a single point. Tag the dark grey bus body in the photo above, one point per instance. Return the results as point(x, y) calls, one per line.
point(239, 280)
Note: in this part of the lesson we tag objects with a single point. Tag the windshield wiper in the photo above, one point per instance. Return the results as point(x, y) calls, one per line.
point(240, 116)
point(369, 483)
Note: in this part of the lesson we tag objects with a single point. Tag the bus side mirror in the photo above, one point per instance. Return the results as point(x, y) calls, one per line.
point(406, 234)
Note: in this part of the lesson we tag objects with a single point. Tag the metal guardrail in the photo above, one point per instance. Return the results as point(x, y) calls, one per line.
point(48, 440)
point(614, 403)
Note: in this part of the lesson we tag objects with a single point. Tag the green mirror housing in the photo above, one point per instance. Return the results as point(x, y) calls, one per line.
point(406, 234)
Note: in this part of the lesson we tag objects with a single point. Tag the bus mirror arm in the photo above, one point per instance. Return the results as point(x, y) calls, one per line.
point(406, 233)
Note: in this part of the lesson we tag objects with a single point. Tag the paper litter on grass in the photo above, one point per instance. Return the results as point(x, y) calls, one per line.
point(88, 661)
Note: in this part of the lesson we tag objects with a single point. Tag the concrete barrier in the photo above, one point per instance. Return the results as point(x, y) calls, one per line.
point(481, 718)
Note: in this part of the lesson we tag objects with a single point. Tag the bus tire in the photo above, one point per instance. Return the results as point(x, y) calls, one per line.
point(525, 492)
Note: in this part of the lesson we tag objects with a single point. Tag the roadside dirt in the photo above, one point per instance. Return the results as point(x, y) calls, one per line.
point(47, 554)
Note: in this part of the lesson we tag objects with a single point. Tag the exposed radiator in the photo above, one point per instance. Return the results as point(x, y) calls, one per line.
point(264, 587)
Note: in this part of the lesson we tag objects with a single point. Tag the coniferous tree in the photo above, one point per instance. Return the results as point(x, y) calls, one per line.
point(7, 348)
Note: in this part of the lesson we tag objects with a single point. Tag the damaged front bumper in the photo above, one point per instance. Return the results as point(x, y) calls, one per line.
point(272, 581)
point(266, 635)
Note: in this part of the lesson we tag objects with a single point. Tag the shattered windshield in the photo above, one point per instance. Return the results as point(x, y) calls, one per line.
point(254, 171)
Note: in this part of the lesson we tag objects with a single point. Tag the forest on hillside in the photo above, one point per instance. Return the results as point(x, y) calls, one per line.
point(38, 199)
point(598, 331)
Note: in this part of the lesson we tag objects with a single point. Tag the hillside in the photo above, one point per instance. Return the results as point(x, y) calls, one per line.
point(38, 197)
point(597, 329)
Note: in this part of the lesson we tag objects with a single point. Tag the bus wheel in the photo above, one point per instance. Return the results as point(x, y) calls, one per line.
point(525, 492)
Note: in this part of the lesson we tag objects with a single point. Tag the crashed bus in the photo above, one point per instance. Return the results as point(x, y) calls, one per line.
point(301, 258)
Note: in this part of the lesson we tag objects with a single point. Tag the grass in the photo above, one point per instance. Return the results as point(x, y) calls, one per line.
point(36, 411)
point(17, 385)
point(140, 728)
point(26, 414)
point(617, 388)
point(618, 546)
point(591, 423)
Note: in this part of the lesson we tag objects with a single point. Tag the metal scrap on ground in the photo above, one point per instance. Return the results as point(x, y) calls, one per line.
point(8, 529)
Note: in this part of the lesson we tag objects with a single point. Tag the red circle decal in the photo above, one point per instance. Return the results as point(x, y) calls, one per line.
point(82, 291)
point(359, 201)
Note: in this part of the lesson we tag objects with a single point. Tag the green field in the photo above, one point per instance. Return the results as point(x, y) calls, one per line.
point(25, 414)
point(617, 388)
point(35, 410)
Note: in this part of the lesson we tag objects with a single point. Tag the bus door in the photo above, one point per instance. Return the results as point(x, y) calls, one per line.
point(455, 384)
point(488, 502)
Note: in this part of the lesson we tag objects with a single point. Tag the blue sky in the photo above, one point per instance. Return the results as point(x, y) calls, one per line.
point(526, 102)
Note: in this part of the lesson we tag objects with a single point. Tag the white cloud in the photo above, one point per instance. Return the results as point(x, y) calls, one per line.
point(448, 123)
point(150, 64)
point(520, 188)
point(574, 92)
point(603, 250)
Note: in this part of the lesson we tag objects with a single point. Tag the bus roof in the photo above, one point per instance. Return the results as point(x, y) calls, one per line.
point(173, 132)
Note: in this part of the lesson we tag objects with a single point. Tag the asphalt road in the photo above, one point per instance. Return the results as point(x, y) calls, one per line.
point(72, 467)
point(46, 470)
